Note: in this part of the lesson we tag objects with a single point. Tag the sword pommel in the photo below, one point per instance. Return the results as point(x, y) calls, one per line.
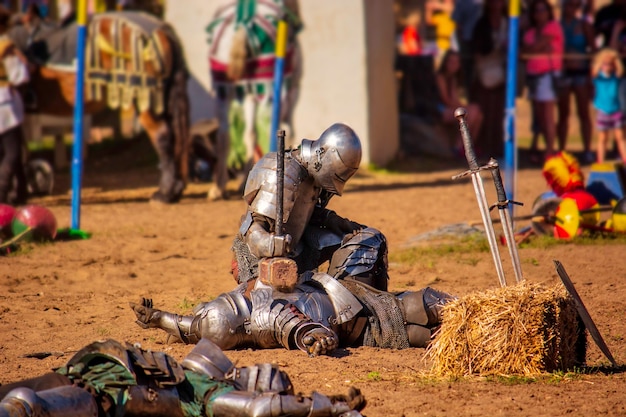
point(460, 113)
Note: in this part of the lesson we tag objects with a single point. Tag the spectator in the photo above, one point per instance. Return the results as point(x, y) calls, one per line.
point(543, 41)
point(607, 70)
point(409, 41)
point(618, 42)
point(489, 42)
point(576, 80)
point(606, 18)
point(465, 15)
point(449, 79)
point(13, 72)
point(439, 16)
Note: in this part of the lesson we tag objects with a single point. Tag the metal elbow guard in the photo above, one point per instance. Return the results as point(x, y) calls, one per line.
point(68, 401)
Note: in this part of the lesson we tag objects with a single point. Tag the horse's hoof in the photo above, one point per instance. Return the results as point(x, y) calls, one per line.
point(216, 195)
point(159, 198)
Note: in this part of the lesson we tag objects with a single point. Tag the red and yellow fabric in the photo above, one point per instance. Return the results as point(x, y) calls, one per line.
point(563, 174)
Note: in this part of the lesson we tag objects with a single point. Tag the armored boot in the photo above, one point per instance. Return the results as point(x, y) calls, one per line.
point(174, 324)
point(422, 313)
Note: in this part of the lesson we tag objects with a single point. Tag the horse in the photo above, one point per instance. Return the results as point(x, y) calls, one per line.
point(132, 58)
point(242, 43)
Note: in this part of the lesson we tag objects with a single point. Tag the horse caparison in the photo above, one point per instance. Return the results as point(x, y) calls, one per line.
point(132, 59)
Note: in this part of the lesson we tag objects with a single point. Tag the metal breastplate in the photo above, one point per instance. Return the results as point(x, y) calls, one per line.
point(300, 195)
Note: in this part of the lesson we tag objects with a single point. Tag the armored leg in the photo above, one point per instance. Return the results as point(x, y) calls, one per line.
point(422, 313)
point(67, 401)
point(40, 383)
point(363, 257)
point(246, 404)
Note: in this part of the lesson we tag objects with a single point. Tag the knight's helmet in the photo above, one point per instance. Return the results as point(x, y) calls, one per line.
point(333, 158)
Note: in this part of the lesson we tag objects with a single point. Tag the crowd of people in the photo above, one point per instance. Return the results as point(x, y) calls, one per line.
point(568, 51)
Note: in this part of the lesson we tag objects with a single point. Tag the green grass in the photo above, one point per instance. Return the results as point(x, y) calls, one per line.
point(464, 249)
point(426, 255)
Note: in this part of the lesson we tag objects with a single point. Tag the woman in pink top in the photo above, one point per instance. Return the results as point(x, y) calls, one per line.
point(544, 42)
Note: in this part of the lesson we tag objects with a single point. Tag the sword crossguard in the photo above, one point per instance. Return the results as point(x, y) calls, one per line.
point(504, 204)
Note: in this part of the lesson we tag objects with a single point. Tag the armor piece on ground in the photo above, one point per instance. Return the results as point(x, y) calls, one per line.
point(333, 158)
point(108, 379)
point(363, 256)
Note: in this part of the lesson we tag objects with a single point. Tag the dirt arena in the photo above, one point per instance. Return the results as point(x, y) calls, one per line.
point(58, 297)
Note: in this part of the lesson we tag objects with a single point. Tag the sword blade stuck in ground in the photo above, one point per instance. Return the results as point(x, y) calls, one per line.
point(481, 198)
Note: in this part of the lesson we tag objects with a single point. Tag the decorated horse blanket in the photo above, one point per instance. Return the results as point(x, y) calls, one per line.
point(126, 59)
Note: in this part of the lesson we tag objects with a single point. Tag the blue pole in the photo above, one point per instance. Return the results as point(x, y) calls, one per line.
point(510, 147)
point(79, 105)
point(279, 68)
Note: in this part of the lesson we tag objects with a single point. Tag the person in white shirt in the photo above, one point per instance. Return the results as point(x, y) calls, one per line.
point(13, 72)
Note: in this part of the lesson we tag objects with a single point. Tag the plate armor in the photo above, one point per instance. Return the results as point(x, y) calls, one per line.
point(109, 379)
point(348, 310)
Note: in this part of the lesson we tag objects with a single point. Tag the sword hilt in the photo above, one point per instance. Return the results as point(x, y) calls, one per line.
point(460, 114)
point(494, 167)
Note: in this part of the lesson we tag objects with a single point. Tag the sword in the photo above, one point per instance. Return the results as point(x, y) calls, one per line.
point(479, 189)
point(505, 217)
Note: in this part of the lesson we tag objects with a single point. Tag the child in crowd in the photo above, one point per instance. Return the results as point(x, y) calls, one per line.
point(606, 71)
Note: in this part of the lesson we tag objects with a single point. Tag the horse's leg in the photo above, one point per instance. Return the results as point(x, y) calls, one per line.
point(220, 172)
point(291, 96)
point(171, 185)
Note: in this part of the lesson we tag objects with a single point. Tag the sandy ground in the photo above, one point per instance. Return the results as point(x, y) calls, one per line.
point(58, 297)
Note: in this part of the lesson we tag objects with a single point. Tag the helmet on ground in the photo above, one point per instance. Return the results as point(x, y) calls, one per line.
point(333, 158)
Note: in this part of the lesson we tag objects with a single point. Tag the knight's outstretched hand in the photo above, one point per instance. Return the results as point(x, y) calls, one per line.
point(320, 341)
point(146, 315)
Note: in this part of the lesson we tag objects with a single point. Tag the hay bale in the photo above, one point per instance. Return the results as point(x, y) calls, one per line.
point(524, 329)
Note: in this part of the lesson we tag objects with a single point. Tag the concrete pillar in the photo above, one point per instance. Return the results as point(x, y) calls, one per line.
point(348, 54)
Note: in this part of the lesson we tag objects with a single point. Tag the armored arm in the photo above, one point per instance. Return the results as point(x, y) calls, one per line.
point(294, 329)
point(247, 404)
point(256, 232)
point(337, 224)
point(278, 322)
